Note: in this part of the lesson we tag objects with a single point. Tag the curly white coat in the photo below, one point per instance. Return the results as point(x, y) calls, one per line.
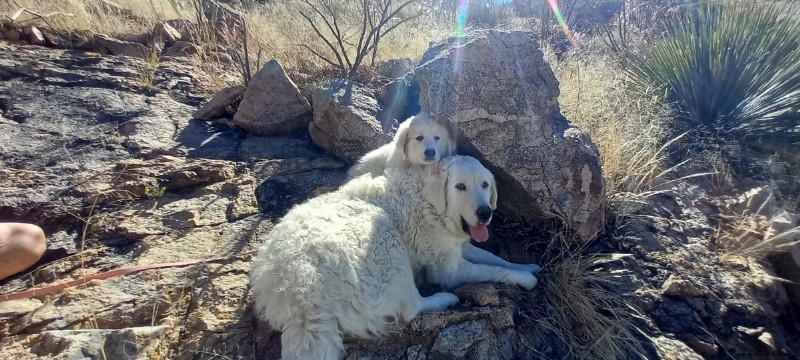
point(344, 261)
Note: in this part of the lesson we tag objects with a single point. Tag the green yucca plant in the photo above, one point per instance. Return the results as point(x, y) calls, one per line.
point(732, 69)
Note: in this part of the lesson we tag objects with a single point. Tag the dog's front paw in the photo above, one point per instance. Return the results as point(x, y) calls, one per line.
point(526, 280)
point(531, 268)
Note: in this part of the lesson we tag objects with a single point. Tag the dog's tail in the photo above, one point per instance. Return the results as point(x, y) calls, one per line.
point(312, 339)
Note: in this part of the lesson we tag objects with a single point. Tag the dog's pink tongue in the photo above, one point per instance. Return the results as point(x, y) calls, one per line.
point(479, 233)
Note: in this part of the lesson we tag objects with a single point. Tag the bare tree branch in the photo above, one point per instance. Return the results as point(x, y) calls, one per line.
point(330, 45)
point(322, 57)
point(378, 18)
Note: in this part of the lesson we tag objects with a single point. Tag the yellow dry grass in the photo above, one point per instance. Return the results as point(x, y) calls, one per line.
point(628, 128)
point(99, 16)
point(274, 27)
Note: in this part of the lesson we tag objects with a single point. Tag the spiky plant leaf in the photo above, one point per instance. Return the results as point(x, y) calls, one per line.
point(733, 69)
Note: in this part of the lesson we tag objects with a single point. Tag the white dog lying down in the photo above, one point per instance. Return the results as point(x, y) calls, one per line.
point(344, 261)
point(419, 140)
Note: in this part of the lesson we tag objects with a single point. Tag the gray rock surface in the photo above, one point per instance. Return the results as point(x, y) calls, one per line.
point(345, 120)
point(222, 104)
point(501, 99)
point(272, 103)
point(121, 47)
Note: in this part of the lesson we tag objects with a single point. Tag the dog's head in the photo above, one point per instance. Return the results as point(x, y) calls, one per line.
point(464, 192)
point(422, 140)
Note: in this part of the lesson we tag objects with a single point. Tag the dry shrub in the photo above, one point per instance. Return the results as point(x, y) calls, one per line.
point(276, 27)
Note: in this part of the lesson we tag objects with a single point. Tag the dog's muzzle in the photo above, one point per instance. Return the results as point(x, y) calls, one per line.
point(484, 214)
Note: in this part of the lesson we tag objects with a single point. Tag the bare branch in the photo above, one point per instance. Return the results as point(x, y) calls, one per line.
point(323, 57)
point(330, 45)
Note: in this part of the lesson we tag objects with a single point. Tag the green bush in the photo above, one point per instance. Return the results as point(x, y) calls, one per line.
point(731, 70)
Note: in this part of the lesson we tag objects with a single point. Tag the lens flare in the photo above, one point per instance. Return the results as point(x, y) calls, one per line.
point(560, 19)
point(461, 24)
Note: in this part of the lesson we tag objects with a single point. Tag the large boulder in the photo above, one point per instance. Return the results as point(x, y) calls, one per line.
point(272, 104)
point(345, 120)
point(501, 100)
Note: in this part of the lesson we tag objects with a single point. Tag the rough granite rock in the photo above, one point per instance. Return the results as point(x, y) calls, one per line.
point(345, 120)
point(121, 47)
point(181, 48)
point(164, 33)
point(272, 103)
point(220, 104)
point(501, 99)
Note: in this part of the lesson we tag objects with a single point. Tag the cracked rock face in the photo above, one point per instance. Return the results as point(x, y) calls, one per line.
point(272, 103)
point(499, 97)
point(345, 120)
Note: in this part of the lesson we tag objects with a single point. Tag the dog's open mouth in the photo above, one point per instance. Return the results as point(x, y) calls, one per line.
point(479, 233)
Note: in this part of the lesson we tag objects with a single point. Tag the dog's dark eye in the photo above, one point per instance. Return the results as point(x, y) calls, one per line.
point(461, 187)
point(485, 184)
point(419, 138)
point(436, 138)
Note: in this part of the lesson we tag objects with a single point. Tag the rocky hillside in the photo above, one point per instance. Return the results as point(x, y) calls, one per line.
point(153, 193)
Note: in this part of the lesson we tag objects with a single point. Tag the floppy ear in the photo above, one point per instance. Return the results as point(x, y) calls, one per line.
point(493, 196)
point(401, 137)
point(451, 146)
point(435, 188)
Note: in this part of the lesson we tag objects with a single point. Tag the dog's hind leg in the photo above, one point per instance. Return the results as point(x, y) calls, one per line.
point(477, 255)
point(437, 302)
point(312, 339)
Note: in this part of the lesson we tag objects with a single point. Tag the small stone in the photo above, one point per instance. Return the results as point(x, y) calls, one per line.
point(676, 286)
point(165, 34)
point(479, 294)
point(737, 262)
point(767, 339)
point(216, 107)
point(120, 47)
point(750, 331)
point(182, 48)
point(702, 347)
point(33, 35)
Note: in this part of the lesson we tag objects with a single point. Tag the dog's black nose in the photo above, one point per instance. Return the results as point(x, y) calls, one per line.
point(429, 153)
point(484, 213)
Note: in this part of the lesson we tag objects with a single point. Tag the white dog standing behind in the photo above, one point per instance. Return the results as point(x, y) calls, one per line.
point(419, 140)
point(344, 261)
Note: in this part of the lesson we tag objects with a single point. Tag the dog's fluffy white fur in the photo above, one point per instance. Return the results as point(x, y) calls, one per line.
point(419, 140)
point(344, 261)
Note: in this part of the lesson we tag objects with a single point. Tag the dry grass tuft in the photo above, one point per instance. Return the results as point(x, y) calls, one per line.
point(756, 236)
point(588, 320)
point(628, 128)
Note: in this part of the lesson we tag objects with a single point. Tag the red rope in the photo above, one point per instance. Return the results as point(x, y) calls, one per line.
point(111, 273)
